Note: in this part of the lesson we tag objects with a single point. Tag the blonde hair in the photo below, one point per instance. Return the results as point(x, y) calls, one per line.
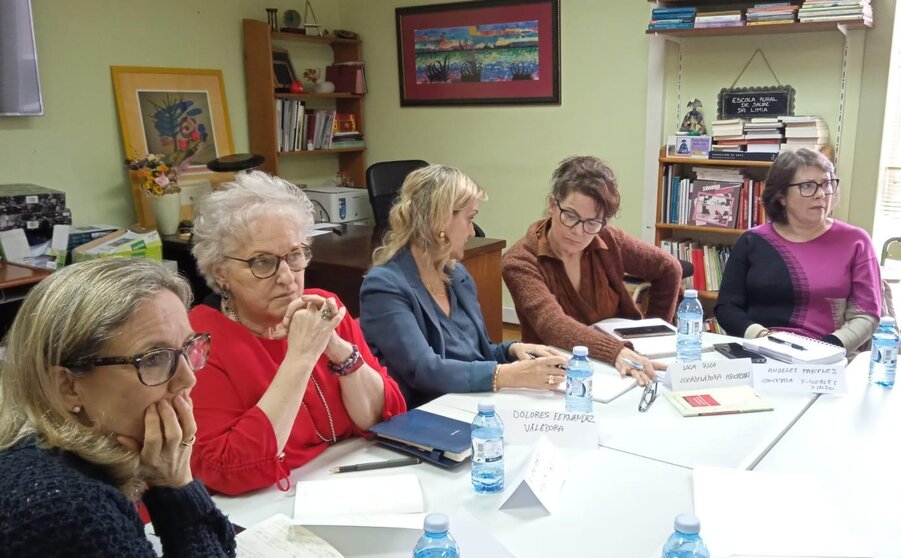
point(222, 219)
point(67, 318)
point(427, 201)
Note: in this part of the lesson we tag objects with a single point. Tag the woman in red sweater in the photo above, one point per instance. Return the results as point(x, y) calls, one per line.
point(289, 371)
point(566, 273)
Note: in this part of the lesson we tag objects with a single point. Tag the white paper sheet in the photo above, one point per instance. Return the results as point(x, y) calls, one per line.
point(753, 513)
point(388, 520)
point(277, 538)
point(385, 494)
point(654, 347)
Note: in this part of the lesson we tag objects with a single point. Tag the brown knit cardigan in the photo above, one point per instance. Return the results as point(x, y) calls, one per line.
point(553, 312)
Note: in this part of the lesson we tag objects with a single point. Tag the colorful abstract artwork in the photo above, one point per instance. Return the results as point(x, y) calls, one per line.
point(492, 52)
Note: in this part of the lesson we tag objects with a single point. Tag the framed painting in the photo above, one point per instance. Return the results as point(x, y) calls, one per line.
point(164, 110)
point(479, 53)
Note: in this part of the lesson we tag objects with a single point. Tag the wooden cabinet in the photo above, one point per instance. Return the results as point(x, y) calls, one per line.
point(261, 96)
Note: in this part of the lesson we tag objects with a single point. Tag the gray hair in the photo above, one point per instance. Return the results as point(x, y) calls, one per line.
point(67, 318)
point(222, 219)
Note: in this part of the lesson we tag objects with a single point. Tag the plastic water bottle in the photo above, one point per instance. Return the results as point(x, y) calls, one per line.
point(884, 353)
point(579, 376)
point(435, 541)
point(487, 450)
point(690, 323)
point(685, 542)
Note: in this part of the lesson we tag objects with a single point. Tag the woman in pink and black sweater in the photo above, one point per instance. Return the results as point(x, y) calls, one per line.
point(566, 273)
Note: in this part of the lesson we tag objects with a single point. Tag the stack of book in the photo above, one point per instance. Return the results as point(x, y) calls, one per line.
point(836, 10)
point(672, 18)
point(289, 118)
point(764, 135)
point(344, 132)
point(728, 18)
point(804, 131)
point(727, 134)
point(731, 140)
point(773, 13)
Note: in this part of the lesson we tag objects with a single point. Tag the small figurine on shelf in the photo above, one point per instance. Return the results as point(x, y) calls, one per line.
point(313, 74)
point(343, 179)
point(694, 120)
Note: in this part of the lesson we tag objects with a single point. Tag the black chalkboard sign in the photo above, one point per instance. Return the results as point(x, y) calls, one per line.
point(753, 102)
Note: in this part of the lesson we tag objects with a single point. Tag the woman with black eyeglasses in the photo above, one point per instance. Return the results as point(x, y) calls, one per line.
point(566, 273)
point(96, 414)
point(290, 372)
point(803, 271)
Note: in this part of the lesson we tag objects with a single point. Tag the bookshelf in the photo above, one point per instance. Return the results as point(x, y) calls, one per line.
point(704, 235)
point(261, 96)
point(711, 5)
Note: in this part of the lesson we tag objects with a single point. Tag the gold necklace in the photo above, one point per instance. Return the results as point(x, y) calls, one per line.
point(440, 291)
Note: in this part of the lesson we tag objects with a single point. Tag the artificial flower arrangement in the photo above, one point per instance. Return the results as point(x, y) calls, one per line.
point(311, 75)
point(156, 174)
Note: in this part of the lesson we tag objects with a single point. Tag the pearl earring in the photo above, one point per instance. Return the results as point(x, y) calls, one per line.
point(441, 235)
point(76, 409)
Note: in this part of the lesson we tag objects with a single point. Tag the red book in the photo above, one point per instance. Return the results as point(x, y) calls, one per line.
point(699, 279)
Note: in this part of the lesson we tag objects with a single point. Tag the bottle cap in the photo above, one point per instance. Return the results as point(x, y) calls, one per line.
point(436, 523)
point(485, 406)
point(691, 293)
point(580, 350)
point(887, 320)
point(684, 523)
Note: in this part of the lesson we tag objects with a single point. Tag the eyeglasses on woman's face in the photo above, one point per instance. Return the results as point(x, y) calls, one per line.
point(157, 366)
point(809, 189)
point(265, 266)
point(571, 219)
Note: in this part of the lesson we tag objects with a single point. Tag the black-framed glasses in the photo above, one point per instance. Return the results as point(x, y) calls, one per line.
point(264, 266)
point(571, 219)
point(157, 366)
point(809, 189)
point(648, 397)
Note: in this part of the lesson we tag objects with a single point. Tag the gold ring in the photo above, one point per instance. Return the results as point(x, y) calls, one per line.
point(189, 442)
point(550, 380)
point(325, 313)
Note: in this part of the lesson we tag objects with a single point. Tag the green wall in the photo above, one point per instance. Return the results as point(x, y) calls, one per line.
point(509, 150)
point(76, 146)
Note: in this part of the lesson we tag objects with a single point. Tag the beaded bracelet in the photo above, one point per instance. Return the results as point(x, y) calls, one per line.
point(497, 369)
point(349, 366)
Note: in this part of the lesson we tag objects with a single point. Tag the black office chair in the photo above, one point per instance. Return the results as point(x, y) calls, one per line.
point(383, 181)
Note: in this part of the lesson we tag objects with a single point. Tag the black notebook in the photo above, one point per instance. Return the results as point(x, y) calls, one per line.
point(440, 440)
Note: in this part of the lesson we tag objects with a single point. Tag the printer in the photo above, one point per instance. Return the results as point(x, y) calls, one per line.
point(338, 204)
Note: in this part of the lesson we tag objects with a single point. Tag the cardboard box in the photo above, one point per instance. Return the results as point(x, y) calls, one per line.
point(30, 198)
point(121, 243)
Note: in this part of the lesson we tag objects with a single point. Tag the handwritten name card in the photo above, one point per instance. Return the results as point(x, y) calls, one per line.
point(542, 479)
point(682, 376)
point(569, 430)
point(800, 378)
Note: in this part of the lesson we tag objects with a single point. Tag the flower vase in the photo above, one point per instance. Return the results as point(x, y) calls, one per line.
point(166, 211)
point(324, 87)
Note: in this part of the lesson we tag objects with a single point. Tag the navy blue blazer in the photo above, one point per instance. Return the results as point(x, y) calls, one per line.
point(402, 326)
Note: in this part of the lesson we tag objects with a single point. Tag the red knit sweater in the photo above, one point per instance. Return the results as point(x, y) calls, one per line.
point(236, 450)
point(553, 312)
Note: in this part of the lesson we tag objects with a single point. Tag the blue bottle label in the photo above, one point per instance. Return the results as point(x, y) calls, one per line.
point(886, 355)
point(578, 388)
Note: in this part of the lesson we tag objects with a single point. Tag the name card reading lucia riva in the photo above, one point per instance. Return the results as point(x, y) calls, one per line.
point(526, 426)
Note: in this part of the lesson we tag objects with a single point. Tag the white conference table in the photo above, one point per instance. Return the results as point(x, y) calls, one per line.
point(623, 495)
point(852, 445)
point(623, 504)
point(661, 432)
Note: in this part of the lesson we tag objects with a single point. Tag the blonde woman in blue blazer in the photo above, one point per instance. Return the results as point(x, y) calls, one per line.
point(419, 309)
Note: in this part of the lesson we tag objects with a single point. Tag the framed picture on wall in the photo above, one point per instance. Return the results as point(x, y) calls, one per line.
point(479, 53)
point(164, 110)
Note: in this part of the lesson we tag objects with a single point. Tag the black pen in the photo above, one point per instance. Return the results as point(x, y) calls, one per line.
point(784, 342)
point(376, 465)
point(533, 356)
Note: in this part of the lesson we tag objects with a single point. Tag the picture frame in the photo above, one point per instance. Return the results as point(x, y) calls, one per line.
point(161, 108)
point(282, 70)
point(486, 52)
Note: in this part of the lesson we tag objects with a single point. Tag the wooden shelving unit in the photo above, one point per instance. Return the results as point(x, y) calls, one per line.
point(261, 97)
point(707, 235)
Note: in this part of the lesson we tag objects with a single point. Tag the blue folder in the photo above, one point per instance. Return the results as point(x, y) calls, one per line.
point(428, 436)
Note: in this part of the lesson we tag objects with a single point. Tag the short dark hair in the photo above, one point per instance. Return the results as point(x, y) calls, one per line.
point(589, 176)
point(782, 173)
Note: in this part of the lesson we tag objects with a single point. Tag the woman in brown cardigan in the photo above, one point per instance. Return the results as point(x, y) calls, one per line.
point(566, 273)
